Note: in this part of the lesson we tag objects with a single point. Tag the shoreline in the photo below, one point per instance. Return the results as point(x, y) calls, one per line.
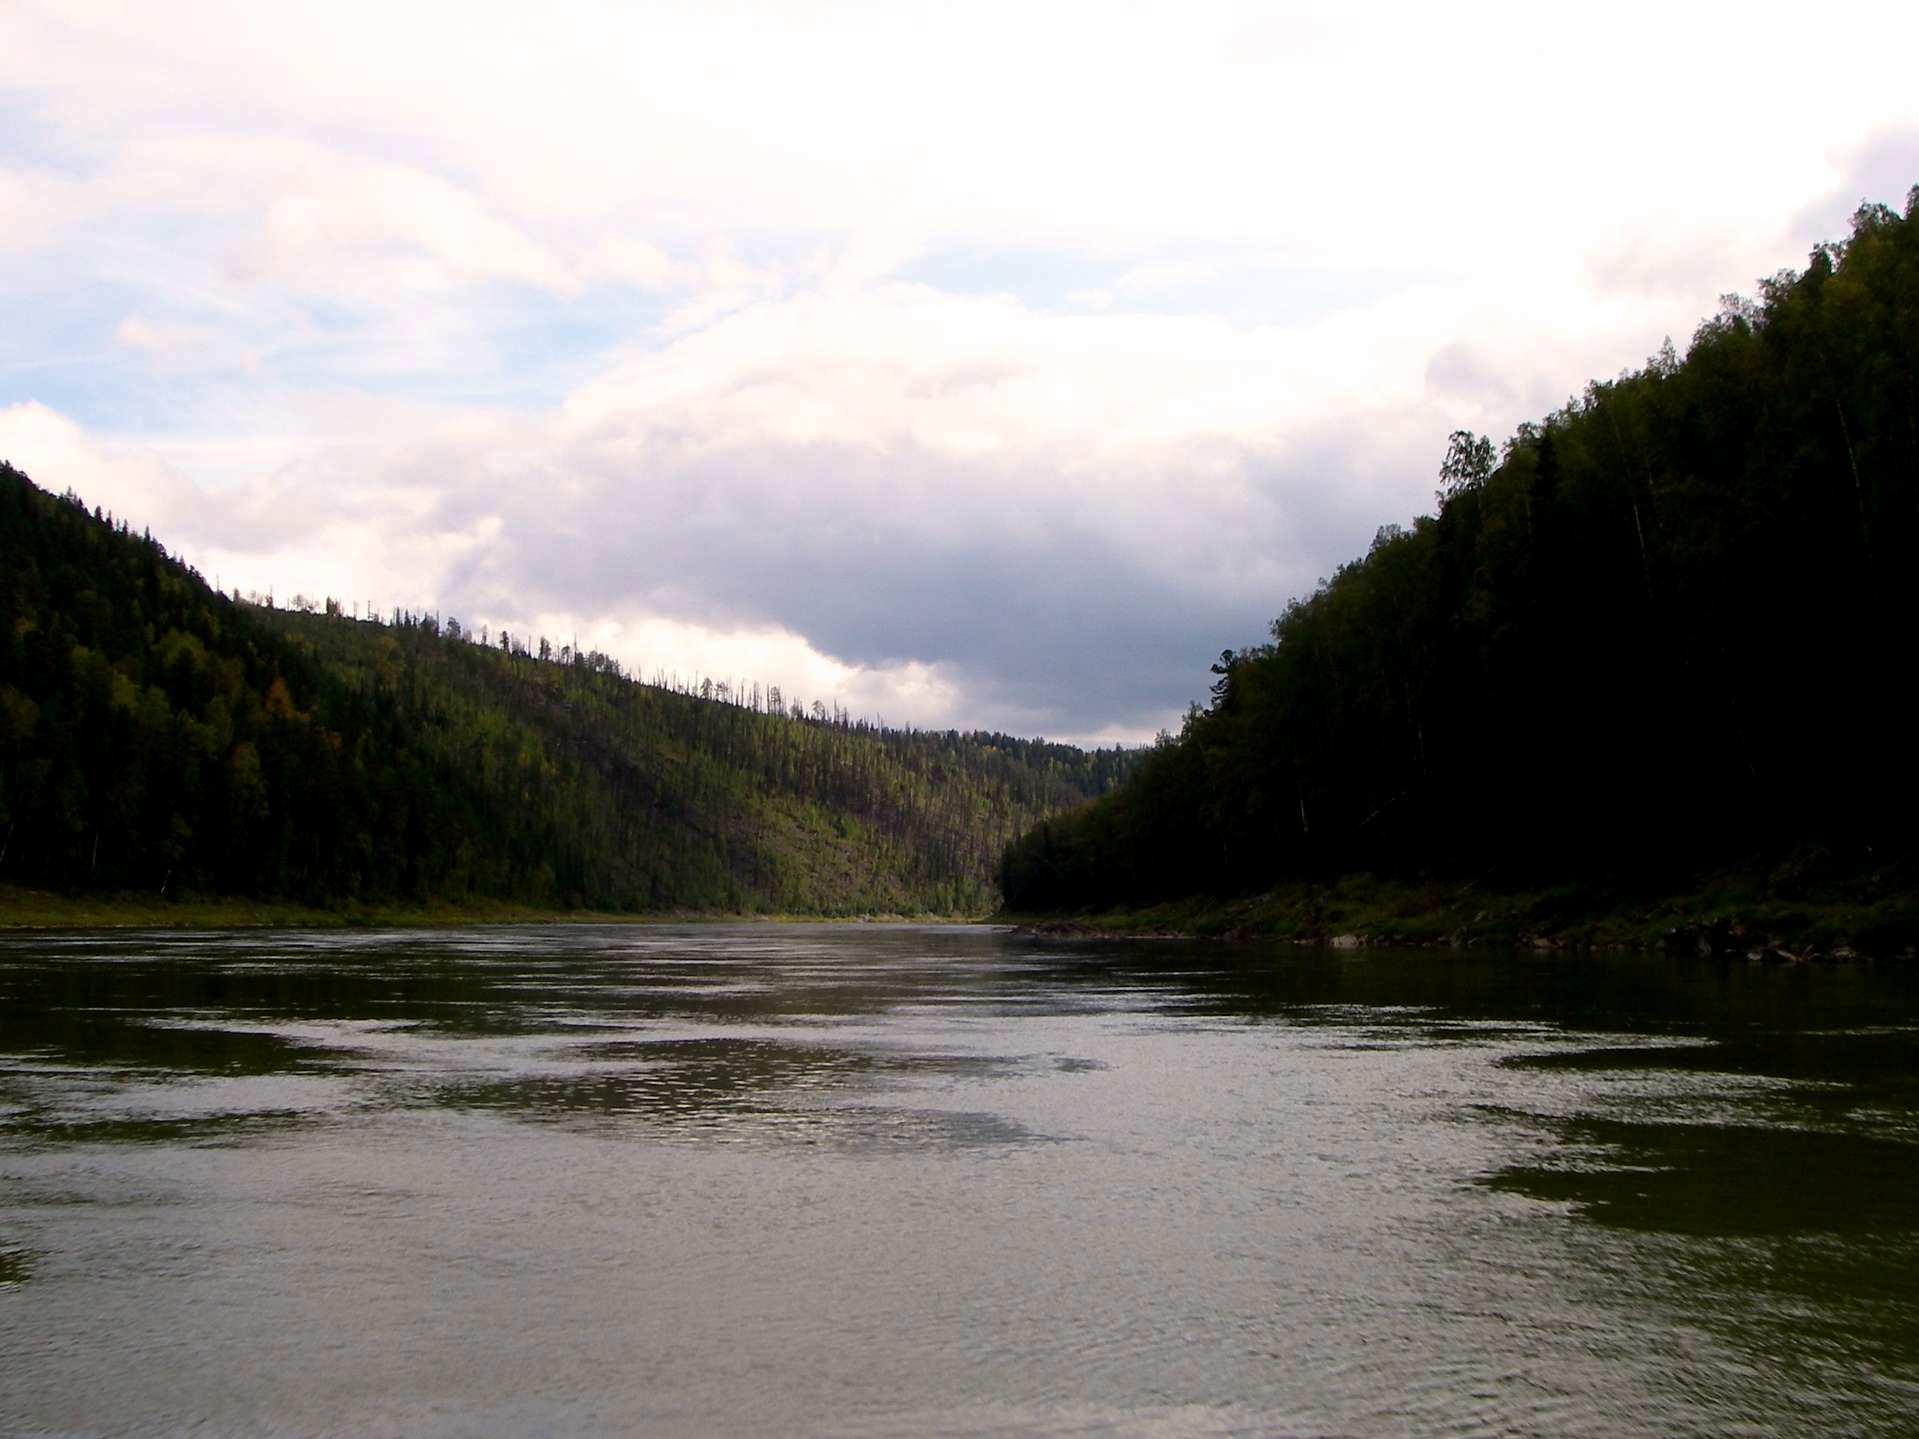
point(1726, 916)
point(1750, 945)
point(23, 910)
point(1732, 915)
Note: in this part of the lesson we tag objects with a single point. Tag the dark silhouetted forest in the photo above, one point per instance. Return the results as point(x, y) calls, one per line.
point(1669, 626)
point(159, 737)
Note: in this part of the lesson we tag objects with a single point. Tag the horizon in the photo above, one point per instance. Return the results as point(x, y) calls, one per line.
point(867, 353)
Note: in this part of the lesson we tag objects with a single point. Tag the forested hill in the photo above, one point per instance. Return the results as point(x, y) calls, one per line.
point(157, 737)
point(1669, 626)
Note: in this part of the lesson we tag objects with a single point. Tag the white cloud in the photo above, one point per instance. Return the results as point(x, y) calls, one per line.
point(1343, 139)
point(636, 262)
point(35, 208)
point(131, 482)
point(136, 334)
point(1164, 275)
point(183, 347)
point(397, 228)
point(682, 653)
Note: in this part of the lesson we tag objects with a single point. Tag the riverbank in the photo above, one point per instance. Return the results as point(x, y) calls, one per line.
point(1866, 917)
point(42, 909)
point(1776, 916)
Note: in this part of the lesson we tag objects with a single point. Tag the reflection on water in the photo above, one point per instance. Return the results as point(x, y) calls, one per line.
point(938, 1180)
point(13, 1266)
point(1728, 1178)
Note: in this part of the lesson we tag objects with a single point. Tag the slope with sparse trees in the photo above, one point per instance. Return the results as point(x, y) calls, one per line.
point(160, 738)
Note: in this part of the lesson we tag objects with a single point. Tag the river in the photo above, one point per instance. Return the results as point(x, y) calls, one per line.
point(873, 1180)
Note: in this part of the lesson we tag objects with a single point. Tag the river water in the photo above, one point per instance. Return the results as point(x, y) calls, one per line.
point(906, 1180)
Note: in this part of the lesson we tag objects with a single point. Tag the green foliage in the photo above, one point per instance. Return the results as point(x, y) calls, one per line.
point(156, 736)
point(1669, 629)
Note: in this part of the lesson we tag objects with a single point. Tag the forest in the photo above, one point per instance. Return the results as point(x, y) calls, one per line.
point(1670, 626)
point(160, 738)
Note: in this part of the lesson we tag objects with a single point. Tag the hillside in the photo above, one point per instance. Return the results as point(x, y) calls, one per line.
point(159, 738)
point(1666, 629)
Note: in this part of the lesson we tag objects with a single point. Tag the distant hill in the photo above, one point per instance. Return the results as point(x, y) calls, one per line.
point(159, 737)
point(1671, 626)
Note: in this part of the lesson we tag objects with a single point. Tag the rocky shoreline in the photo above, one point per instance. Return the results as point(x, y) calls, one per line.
point(1722, 939)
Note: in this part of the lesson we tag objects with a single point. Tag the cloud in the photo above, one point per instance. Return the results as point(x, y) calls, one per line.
point(131, 482)
point(1164, 275)
point(1673, 268)
point(184, 348)
point(393, 228)
point(35, 208)
point(1460, 373)
point(1881, 170)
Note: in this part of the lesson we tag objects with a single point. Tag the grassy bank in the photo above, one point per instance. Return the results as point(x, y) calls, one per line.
point(40, 909)
point(1780, 914)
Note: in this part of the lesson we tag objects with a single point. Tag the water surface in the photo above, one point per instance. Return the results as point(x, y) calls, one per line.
point(864, 1180)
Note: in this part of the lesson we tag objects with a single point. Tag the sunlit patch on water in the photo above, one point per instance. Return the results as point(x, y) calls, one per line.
point(740, 1089)
point(70, 1105)
point(1069, 1420)
point(884, 1130)
point(197, 1131)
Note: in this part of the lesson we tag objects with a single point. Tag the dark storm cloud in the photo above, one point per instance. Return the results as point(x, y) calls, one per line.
point(1039, 593)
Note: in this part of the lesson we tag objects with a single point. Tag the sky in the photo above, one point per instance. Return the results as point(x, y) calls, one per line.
point(984, 366)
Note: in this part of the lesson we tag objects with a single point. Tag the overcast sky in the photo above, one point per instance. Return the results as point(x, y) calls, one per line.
point(978, 365)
